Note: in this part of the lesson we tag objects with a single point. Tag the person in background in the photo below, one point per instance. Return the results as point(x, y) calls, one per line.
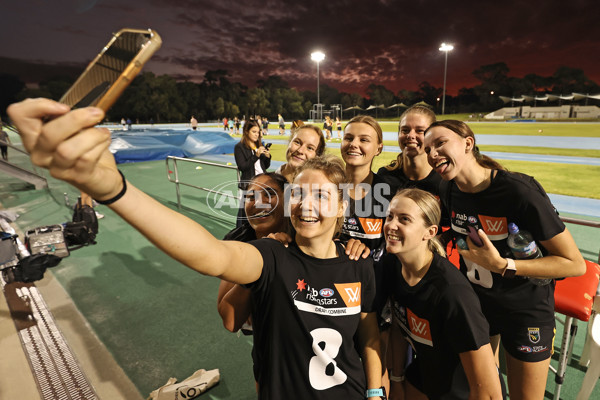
point(435, 309)
point(482, 198)
point(410, 168)
point(4, 140)
point(265, 126)
point(251, 158)
point(306, 142)
point(225, 125)
point(368, 193)
point(327, 127)
point(281, 122)
point(194, 123)
point(368, 197)
point(264, 207)
point(302, 348)
point(338, 125)
point(230, 126)
point(237, 126)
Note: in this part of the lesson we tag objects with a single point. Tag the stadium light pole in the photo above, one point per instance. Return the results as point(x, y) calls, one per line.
point(318, 56)
point(445, 48)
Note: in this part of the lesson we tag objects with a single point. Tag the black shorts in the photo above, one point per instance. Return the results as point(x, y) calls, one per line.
point(526, 327)
point(529, 343)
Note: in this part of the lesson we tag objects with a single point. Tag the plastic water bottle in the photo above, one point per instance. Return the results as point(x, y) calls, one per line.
point(523, 247)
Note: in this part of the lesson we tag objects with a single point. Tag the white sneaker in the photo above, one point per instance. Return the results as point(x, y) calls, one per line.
point(99, 216)
point(190, 388)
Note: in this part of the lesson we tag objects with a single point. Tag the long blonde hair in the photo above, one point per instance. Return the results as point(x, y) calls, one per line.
point(430, 213)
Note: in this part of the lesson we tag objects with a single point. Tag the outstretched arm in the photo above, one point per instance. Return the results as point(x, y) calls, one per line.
point(73, 150)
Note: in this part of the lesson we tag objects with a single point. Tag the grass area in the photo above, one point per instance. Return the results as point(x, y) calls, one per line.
point(525, 128)
point(570, 129)
point(537, 129)
point(496, 148)
point(541, 150)
point(566, 179)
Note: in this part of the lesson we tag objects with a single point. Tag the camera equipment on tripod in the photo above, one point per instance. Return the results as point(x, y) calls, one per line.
point(31, 268)
point(8, 250)
point(48, 240)
point(84, 227)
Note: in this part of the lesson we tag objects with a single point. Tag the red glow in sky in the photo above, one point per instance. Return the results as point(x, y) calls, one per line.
point(392, 43)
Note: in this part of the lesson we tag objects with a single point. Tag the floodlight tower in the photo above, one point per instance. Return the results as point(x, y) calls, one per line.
point(445, 48)
point(318, 56)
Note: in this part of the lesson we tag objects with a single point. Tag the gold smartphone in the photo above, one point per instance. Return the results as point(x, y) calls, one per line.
point(107, 76)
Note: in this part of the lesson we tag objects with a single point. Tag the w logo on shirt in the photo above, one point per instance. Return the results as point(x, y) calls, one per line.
point(420, 330)
point(350, 293)
point(371, 226)
point(495, 227)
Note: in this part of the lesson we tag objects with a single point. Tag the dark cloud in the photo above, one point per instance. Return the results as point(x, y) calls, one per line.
point(394, 43)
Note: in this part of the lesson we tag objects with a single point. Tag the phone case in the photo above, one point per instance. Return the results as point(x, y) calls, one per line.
point(113, 69)
point(475, 236)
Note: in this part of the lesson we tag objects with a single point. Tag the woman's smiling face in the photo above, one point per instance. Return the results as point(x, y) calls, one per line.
point(263, 203)
point(446, 151)
point(404, 227)
point(360, 144)
point(315, 205)
point(411, 133)
point(302, 147)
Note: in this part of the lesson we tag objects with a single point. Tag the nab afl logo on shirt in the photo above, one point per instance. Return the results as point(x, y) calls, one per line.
point(351, 221)
point(326, 292)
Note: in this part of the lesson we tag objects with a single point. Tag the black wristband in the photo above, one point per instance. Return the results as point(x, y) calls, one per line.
point(118, 195)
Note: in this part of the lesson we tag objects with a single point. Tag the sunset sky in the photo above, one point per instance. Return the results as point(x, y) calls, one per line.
point(393, 43)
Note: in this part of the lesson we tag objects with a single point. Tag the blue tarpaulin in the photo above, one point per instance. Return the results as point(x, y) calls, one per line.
point(156, 144)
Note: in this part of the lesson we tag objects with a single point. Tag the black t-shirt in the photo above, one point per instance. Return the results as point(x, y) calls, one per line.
point(398, 180)
point(440, 317)
point(511, 197)
point(244, 233)
point(366, 217)
point(306, 312)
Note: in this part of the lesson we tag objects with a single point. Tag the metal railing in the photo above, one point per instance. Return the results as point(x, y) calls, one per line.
point(577, 221)
point(175, 178)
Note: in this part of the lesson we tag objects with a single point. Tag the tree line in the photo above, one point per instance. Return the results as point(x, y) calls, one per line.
point(163, 99)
